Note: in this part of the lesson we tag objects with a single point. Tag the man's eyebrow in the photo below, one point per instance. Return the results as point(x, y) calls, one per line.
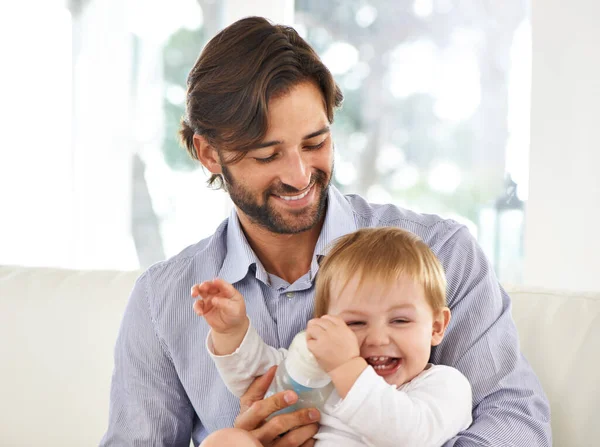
point(276, 142)
point(317, 133)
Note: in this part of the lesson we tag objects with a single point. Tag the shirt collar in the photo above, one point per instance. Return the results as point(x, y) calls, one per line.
point(240, 255)
point(339, 221)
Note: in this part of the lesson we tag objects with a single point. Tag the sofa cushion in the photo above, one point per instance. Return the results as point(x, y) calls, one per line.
point(559, 332)
point(58, 329)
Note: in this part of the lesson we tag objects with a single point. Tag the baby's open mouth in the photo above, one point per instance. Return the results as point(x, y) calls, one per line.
point(384, 365)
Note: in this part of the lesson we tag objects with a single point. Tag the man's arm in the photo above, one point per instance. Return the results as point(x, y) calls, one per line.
point(148, 405)
point(509, 404)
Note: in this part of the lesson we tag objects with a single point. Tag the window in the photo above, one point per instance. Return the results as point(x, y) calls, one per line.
point(435, 119)
point(435, 116)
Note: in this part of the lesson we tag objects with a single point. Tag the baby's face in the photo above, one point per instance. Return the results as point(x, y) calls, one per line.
point(394, 324)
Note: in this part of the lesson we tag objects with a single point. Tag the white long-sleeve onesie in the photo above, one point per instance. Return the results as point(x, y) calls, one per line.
point(427, 411)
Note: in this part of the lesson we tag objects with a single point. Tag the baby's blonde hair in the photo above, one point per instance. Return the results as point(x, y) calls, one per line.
point(382, 254)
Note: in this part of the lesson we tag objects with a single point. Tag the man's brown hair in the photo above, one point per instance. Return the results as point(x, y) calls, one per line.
point(238, 72)
point(381, 254)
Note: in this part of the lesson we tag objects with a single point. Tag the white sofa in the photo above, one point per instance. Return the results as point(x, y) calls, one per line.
point(58, 329)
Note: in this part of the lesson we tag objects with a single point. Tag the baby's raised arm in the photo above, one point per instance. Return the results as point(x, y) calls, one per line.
point(223, 308)
point(239, 353)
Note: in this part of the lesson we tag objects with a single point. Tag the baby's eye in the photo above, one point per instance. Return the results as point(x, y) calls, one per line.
point(355, 323)
point(400, 321)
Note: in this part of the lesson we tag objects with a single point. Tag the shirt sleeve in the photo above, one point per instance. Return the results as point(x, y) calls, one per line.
point(251, 359)
point(427, 412)
point(509, 404)
point(148, 405)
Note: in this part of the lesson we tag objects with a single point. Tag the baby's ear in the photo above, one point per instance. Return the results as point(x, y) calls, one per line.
point(441, 318)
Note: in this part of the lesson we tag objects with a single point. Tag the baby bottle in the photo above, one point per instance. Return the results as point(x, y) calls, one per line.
point(301, 373)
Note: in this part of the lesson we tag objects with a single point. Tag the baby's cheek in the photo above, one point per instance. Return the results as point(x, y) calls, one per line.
point(360, 337)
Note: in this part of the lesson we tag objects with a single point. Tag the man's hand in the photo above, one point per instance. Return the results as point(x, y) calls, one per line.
point(286, 430)
point(331, 341)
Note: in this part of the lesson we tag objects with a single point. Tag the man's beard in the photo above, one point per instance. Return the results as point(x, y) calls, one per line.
point(270, 218)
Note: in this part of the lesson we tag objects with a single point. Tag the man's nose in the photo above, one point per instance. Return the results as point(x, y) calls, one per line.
point(296, 172)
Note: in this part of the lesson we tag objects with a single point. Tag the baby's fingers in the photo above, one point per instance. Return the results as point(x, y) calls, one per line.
point(227, 305)
point(314, 330)
point(200, 289)
point(195, 291)
point(205, 289)
point(199, 307)
point(226, 290)
point(334, 320)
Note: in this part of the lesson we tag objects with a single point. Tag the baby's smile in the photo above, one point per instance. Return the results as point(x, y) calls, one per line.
point(384, 365)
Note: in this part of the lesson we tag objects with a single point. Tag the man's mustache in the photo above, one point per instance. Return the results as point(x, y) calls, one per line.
point(318, 177)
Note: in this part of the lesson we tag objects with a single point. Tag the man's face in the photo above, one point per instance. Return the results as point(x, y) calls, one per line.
point(282, 185)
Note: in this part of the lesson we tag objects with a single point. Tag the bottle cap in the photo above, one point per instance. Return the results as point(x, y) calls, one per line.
point(302, 365)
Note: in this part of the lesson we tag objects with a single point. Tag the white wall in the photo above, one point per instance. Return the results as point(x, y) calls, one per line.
point(562, 238)
point(35, 133)
point(65, 164)
point(102, 145)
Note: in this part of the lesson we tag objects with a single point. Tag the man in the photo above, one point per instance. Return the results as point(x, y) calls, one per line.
point(259, 108)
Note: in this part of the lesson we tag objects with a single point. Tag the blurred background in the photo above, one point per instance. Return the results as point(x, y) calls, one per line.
point(436, 118)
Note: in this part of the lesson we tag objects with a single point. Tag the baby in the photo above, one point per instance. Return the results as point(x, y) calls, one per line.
point(379, 308)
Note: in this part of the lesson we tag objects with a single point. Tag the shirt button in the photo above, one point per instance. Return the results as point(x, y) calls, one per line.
point(290, 294)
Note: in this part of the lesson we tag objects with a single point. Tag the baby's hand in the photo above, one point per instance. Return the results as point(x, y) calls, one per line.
point(331, 341)
point(221, 305)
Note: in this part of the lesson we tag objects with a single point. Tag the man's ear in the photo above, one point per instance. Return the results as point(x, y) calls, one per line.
point(440, 322)
point(208, 155)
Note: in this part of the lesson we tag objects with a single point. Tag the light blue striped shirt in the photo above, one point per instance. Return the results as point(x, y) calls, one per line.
point(165, 388)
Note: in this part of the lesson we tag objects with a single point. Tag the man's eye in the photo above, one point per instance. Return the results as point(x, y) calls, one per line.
point(316, 146)
point(267, 159)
